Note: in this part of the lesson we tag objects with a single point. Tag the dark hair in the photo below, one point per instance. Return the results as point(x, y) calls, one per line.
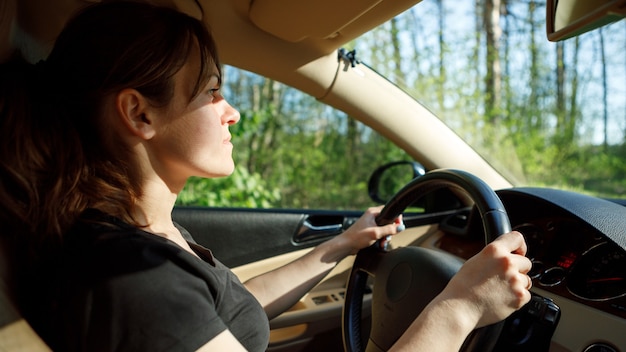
point(57, 163)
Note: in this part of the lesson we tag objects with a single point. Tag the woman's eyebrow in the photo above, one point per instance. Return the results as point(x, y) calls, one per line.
point(217, 76)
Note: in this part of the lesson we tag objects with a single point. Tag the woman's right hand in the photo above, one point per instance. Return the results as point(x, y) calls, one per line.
point(494, 283)
point(487, 289)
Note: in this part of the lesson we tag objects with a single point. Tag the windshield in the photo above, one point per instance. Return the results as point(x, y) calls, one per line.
point(542, 113)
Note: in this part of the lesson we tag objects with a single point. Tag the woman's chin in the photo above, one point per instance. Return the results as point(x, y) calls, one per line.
point(225, 172)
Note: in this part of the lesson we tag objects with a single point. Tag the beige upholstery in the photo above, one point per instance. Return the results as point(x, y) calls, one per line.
point(19, 336)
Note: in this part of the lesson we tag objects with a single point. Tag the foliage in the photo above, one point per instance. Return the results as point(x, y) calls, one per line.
point(241, 189)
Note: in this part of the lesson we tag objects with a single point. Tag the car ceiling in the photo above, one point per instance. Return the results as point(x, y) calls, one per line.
point(278, 33)
point(293, 42)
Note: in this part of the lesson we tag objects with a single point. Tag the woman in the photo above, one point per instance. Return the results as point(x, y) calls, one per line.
point(130, 98)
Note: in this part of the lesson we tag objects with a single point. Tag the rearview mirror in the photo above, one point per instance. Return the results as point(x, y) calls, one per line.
point(569, 18)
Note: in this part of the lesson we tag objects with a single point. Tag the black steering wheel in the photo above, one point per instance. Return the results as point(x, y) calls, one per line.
point(406, 279)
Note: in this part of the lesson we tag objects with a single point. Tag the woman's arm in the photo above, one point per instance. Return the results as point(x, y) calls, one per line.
point(488, 288)
point(280, 289)
point(223, 342)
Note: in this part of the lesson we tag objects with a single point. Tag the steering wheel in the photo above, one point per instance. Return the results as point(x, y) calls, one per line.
point(406, 279)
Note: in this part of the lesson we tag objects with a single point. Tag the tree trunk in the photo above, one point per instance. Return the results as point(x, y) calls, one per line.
point(605, 103)
point(475, 59)
point(572, 112)
point(506, 81)
point(493, 79)
point(560, 80)
point(397, 55)
point(534, 83)
point(442, 48)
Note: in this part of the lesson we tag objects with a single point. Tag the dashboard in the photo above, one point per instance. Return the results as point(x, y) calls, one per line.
point(576, 262)
point(577, 246)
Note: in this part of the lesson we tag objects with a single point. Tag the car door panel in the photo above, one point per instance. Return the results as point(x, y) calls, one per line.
point(240, 236)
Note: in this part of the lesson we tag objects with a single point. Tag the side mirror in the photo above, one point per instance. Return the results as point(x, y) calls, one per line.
point(390, 178)
point(569, 18)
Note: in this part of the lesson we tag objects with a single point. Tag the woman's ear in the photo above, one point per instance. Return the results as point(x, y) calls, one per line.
point(135, 112)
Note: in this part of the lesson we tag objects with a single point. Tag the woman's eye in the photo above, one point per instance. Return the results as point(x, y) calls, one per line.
point(214, 92)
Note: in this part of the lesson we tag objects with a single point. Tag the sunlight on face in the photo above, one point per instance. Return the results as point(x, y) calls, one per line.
point(194, 138)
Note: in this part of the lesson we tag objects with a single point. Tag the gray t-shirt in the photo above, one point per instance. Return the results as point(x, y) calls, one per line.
point(125, 289)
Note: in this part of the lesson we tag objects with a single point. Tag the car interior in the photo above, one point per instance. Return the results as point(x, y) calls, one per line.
point(577, 242)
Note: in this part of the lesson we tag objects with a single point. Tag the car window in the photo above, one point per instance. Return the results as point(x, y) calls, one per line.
point(292, 151)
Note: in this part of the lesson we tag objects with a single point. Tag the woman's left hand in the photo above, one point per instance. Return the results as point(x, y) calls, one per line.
point(364, 232)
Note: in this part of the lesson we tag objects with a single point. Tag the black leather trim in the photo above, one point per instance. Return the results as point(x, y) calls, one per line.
point(608, 217)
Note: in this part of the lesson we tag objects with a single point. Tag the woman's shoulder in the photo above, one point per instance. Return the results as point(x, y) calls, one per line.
point(101, 246)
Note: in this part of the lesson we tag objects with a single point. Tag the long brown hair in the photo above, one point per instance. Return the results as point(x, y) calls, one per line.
point(56, 163)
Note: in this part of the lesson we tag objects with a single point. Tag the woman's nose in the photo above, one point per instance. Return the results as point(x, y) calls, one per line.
point(230, 115)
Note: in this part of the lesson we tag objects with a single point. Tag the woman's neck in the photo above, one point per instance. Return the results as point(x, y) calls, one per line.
point(155, 205)
point(154, 209)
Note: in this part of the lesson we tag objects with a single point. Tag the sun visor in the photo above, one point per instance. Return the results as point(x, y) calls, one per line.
point(294, 21)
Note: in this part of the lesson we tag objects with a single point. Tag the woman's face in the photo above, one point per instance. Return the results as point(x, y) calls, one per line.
point(192, 138)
